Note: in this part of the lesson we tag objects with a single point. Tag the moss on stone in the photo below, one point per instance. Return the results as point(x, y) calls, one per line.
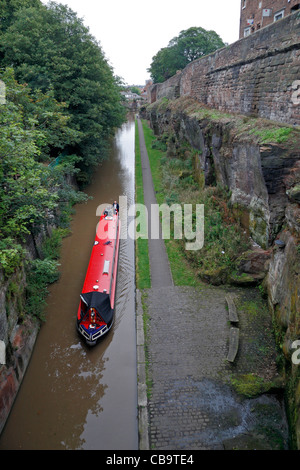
point(251, 385)
point(242, 279)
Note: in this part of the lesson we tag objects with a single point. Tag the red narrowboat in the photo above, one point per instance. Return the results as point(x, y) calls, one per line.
point(95, 315)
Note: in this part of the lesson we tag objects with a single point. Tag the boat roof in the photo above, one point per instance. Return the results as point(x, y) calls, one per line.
point(99, 272)
point(100, 302)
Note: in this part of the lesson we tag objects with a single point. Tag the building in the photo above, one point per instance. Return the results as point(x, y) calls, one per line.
point(256, 14)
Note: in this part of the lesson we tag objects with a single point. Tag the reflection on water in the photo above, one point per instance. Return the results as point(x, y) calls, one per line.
point(73, 396)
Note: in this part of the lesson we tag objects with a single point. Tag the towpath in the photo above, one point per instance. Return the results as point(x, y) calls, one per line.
point(159, 263)
point(191, 404)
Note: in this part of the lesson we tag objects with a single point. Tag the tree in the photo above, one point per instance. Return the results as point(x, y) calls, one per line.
point(51, 49)
point(8, 8)
point(136, 90)
point(31, 194)
point(24, 187)
point(165, 64)
point(189, 45)
point(42, 113)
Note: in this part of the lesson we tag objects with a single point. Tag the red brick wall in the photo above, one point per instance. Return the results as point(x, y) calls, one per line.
point(258, 75)
point(253, 13)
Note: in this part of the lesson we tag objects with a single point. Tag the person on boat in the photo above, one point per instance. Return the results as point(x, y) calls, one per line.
point(92, 318)
point(116, 207)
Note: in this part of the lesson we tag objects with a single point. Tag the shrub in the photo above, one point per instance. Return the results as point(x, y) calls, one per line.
point(40, 274)
point(11, 255)
point(51, 246)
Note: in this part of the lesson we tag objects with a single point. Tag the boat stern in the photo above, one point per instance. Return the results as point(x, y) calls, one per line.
point(92, 334)
point(95, 316)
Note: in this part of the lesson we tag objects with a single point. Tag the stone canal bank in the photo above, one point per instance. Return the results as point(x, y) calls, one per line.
point(188, 390)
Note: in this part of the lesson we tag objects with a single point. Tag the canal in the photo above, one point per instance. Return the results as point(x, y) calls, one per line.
point(73, 396)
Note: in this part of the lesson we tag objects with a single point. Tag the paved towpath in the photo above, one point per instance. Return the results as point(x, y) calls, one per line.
point(159, 264)
point(191, 404)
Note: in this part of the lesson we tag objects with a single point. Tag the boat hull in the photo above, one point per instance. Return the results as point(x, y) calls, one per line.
point(96, 311)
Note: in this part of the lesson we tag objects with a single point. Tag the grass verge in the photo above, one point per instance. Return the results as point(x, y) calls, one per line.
point(143, 279)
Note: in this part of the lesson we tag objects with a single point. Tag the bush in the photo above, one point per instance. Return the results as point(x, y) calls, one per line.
point(51, 246)
point(11, 255)
point(40, 274)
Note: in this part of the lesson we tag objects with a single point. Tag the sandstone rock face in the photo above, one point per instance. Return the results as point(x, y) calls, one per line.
point(283, 282)
point(255, 262)
point(263, 178)
point(11, 375)
point(18, 339)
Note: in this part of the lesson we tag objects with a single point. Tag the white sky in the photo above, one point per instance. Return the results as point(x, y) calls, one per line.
point(131, 32)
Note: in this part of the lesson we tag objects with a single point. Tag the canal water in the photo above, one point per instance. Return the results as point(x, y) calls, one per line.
point(73, 396)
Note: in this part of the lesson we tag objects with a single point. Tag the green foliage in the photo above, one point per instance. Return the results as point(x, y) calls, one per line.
point(40, 274)
point(51, 246)
point(9, 8)
point(165, 64)
point(62, 105)
point(278, 134)
point(191, 44)
point(143, 279)
point(135, 89)
point(224, 239)
point(39, 113)
point(251, 385)
point(11, 255)
point(31, 194)
point(52, 51)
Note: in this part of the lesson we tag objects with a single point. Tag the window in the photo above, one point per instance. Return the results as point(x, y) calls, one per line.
point(247, 32)
point(279, 15)
point(295, 8)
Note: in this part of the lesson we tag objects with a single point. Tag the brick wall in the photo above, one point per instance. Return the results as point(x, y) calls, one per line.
point(258, 75)
point(256, 14)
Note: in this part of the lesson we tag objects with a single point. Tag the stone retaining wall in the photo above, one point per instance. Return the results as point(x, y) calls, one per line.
point(258, 75)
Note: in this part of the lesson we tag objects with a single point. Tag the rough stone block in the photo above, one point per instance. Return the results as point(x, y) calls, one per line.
point(233, 344)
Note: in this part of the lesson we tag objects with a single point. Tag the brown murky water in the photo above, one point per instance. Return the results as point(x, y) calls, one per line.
point(72, 396)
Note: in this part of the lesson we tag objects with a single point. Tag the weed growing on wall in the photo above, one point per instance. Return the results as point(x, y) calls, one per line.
point(42, 272)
